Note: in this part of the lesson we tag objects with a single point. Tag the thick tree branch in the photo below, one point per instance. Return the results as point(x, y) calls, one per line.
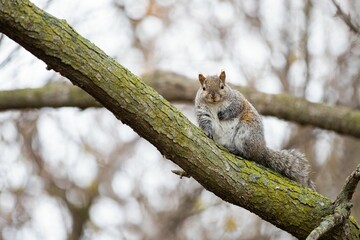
point(54, 95)
point(278, 200)
point(176, 87)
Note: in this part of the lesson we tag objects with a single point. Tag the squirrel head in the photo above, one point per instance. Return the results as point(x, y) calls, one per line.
point(213, 87)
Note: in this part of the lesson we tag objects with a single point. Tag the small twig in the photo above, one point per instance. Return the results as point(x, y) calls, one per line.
point(341, 213)
point(349, 187)
point(346, 18)
point(341, 207)
point(181, 173)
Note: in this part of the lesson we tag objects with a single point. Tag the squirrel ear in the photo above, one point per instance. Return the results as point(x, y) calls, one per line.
point(222, 76)
point(202, 78)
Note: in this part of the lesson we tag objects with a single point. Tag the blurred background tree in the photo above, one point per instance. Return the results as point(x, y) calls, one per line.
point(81, 174)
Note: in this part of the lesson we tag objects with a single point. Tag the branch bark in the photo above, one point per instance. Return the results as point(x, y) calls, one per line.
point(274, 198)
point(341, 209)
point(175, 87)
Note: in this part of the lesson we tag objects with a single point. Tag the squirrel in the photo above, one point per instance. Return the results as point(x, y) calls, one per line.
point(227, 117)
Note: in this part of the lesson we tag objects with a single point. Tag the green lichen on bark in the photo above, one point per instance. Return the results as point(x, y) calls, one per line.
point(238, 181)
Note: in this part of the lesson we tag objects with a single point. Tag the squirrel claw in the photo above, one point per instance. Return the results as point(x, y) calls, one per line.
point(209, 135)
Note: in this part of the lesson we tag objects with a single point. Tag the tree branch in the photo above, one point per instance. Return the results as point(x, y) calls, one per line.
point(175, 87)
point(349, 187)
point(346, 18)
point(339, 216)
point(276, 199)
point(341, 206)
point(53, 95)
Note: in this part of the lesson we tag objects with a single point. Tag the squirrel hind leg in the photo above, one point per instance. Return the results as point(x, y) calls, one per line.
point(236, 152)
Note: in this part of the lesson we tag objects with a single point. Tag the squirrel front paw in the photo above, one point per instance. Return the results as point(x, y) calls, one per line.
point(221, 115)
point(209, 134)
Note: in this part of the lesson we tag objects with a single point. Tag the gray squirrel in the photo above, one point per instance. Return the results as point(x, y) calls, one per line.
point(227, 117)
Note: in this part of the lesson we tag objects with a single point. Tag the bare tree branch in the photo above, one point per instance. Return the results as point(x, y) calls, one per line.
point(175, 87)
point(342, 207)
point(346, 18)
point(349, 187)
point(329, 222)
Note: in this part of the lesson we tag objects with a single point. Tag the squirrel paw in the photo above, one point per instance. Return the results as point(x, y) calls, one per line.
point(221, 115)
point(209, 134)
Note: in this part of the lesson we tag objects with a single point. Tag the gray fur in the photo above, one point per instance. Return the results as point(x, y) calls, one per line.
point(226, 116)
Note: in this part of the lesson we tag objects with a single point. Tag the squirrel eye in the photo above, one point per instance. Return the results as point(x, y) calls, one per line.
point(222, 86)
point(204, 88)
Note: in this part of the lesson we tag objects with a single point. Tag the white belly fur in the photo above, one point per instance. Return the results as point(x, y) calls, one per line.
point(223, 130)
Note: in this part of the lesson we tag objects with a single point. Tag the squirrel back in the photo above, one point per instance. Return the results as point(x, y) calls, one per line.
point(226, 116)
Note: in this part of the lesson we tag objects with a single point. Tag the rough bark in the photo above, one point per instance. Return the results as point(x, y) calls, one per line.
point(341, 209)
point(280, 201)
point(175, 87)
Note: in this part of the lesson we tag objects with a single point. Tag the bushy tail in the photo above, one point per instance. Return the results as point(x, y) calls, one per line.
point(291, 164)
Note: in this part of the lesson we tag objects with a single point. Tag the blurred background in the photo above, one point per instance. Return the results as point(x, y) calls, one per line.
point(81, 174)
